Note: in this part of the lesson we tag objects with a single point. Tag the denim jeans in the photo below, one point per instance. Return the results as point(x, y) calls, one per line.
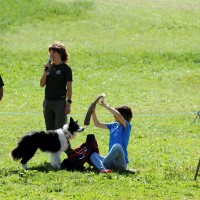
point(114, 159)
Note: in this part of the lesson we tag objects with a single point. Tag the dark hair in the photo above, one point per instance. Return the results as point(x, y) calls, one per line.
point(60, 48)
point(126, 112)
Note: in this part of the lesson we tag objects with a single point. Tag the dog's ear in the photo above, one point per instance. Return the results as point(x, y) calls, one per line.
point(71, 119)
point(76, 121)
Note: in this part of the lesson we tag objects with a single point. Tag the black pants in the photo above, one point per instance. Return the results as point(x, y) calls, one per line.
point(54, 114)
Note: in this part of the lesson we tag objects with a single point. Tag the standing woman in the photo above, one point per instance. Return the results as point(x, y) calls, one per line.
point(1, 88)
point(57, 79)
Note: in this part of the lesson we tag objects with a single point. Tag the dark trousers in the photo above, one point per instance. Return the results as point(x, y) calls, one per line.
point(54, 114)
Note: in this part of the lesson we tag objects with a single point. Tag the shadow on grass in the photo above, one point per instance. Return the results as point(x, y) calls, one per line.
point(46, 167)
point(126, 172)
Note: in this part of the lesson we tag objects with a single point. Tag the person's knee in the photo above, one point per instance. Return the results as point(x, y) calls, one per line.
point(93, 156)
point(117, 147)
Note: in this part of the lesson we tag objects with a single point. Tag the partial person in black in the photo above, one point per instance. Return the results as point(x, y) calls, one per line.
point(57, 79)
point(1, 88)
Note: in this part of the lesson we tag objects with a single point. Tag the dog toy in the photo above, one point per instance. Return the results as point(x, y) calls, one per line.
point(91, 108)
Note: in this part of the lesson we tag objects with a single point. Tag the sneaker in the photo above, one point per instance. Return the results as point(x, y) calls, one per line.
point(133, 171)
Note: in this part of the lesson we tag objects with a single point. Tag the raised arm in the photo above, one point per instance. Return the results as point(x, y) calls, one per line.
point(96, 121)
point(119, 118)
point(44, 76)
point(43, 79)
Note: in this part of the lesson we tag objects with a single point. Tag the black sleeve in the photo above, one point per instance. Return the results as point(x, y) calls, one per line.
point(1, 82)
point(68, 74)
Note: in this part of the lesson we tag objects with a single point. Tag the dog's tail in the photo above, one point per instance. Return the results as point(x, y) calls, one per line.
point(17, 153)
point(23, 144)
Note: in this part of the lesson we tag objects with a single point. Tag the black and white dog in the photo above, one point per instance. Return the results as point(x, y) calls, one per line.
point(54, 142)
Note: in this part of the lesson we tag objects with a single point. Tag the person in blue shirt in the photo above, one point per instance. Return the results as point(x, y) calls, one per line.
point(117, 157)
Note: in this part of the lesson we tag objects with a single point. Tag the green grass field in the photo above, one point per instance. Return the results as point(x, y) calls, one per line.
point(141, 53)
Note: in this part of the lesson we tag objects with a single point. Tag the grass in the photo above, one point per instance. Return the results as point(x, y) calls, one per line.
point(141, 53)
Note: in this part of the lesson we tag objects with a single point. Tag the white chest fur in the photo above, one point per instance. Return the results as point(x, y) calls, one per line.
point(63, 140)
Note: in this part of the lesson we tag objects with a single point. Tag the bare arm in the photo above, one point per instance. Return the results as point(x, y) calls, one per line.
point(43, 79)
point(1, 93)
point(69, 97)
point(96, 121)
point(116, 114)
point(44, 76)
point(69, 90)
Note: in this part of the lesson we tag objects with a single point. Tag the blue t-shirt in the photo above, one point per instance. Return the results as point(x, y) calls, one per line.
point(120, 135)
